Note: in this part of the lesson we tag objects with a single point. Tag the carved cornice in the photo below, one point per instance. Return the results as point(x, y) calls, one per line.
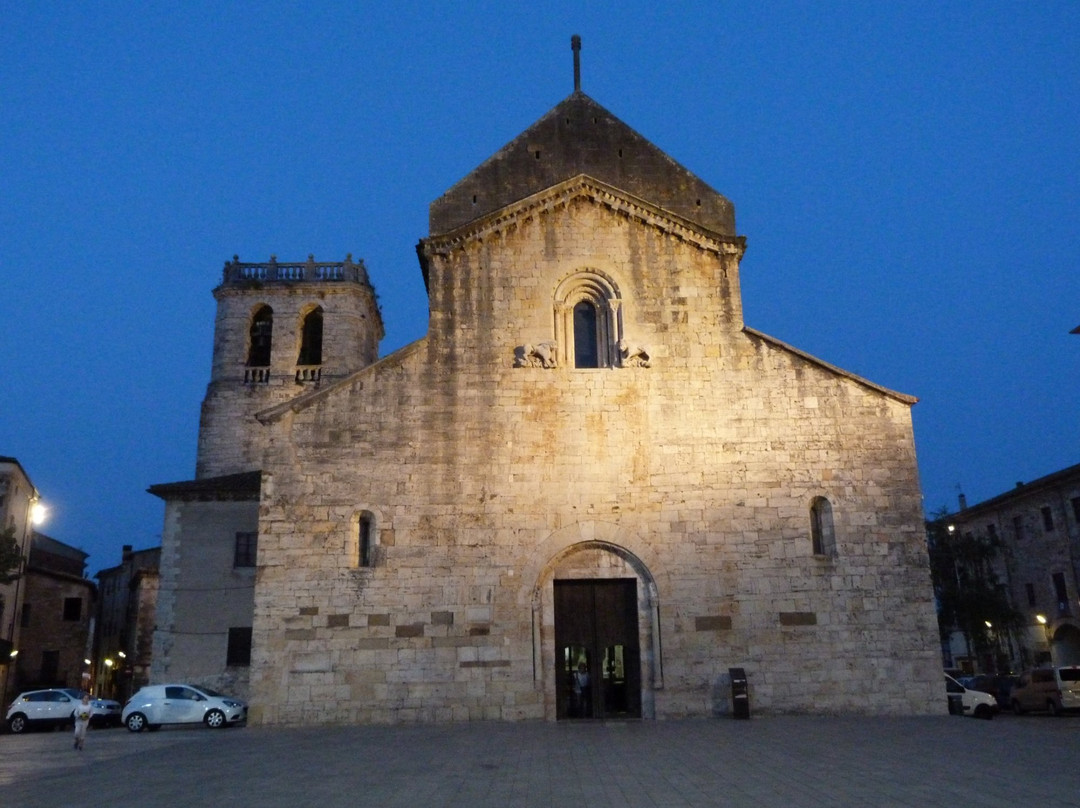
point(584, 187)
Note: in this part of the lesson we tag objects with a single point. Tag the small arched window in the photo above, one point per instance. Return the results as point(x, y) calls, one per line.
point(311, 333)
point(260, 338)
point(822, 535)
point(364, 539)
point(588, 321)
point(586, 348)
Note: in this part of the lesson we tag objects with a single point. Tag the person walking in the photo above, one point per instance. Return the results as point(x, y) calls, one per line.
point(82, 713)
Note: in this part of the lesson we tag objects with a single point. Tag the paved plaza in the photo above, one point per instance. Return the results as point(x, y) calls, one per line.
point(766, 761)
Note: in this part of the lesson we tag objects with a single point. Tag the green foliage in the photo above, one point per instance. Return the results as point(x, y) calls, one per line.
point(10, 557)
point(969, 594)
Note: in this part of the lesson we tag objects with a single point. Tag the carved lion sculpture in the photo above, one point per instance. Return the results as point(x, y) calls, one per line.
point(636, 356)
point(536, 356)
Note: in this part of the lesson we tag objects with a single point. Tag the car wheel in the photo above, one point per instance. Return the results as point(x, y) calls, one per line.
point(1052, 707)
point(17, 723)
point(1017, 709)
point(982, 711)
point(215, 719)
point(136, 722)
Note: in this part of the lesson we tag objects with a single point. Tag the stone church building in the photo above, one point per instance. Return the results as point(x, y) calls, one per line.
point(589, 465)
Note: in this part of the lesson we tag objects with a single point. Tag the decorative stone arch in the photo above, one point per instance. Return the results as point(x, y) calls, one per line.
point(584, 294)
point(1065, 643)
point(593, 550)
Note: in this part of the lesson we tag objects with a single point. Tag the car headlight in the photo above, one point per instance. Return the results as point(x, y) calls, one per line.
point(233, 704)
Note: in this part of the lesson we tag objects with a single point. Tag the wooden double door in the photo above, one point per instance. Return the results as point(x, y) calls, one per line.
point(597, 653)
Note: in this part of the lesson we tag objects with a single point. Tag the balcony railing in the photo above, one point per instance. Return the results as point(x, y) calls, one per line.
point(305, 374)
point(237, 272)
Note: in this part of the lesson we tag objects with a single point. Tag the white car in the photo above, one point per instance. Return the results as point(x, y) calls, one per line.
point(963, 701)
point(54, 707)
point(155, 705)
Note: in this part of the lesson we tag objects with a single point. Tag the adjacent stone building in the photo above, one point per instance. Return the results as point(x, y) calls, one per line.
point(18, 496)
point(590, 464)
point(126, 612)
point(55, 618)
point(1037, 526)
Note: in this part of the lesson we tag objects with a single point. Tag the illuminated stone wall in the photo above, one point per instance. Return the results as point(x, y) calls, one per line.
point(485, 481)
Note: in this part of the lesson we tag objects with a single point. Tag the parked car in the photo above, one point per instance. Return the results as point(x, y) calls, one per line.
point(964, 701)
point(1051, 689)
point(54, 707)
point(155, 705)
point(998, 685)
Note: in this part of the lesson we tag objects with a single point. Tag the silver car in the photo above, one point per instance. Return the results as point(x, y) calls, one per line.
point(54, 707)
point(155, 705)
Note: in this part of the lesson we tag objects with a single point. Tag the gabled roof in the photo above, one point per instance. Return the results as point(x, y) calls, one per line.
point(561, 194)
point(578, 136)
point(902, 397)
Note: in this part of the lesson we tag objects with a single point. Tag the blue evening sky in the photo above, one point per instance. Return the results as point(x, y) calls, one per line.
point(905, 174)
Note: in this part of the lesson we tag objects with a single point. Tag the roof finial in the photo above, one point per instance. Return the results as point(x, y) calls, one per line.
point(575, 46)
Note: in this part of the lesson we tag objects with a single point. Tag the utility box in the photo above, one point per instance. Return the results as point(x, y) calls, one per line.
point(740, 693)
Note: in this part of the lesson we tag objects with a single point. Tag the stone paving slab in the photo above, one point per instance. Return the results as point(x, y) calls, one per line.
point(787, 762)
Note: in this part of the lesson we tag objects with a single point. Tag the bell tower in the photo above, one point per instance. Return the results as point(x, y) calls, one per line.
point(281, 329)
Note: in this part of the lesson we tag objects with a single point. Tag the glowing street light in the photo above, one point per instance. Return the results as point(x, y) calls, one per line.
point(1041, 618)
point(38, 512)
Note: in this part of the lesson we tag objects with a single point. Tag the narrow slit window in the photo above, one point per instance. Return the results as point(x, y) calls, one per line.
point(366, 530)
point(822, 535)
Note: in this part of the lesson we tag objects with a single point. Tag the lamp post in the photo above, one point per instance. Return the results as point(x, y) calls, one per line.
point(1041, 619)
point(35, 515)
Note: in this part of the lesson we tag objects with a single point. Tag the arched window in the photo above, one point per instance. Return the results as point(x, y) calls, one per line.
point(364, 539)
point(588, 320)
point(311, 338)
point(586, 349)
point(822, 536)
point(260, 337)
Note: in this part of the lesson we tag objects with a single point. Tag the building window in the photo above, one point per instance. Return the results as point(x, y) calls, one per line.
point(1018, 527)
point(311, 338)
point(586, 349)
point(588, 321)
point(1029, 589)
point(822, 535)
point(50, 667)
point(72, 609)
point(1076, 508)
point(991, 531)
point(260, 338)
point(246, 548)
point(365, 533)
point(239, 651)
point(1048, 520)
point(24, 619)
point(1061, 593)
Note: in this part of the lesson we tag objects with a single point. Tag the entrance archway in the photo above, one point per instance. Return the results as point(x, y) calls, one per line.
point(595, 604)
point(1065, 648)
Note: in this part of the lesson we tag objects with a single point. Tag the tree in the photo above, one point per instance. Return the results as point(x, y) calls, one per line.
point(970, 598)
point(11, 557)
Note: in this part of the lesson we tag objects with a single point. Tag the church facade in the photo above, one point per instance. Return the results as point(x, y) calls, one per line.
point(589, 491)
